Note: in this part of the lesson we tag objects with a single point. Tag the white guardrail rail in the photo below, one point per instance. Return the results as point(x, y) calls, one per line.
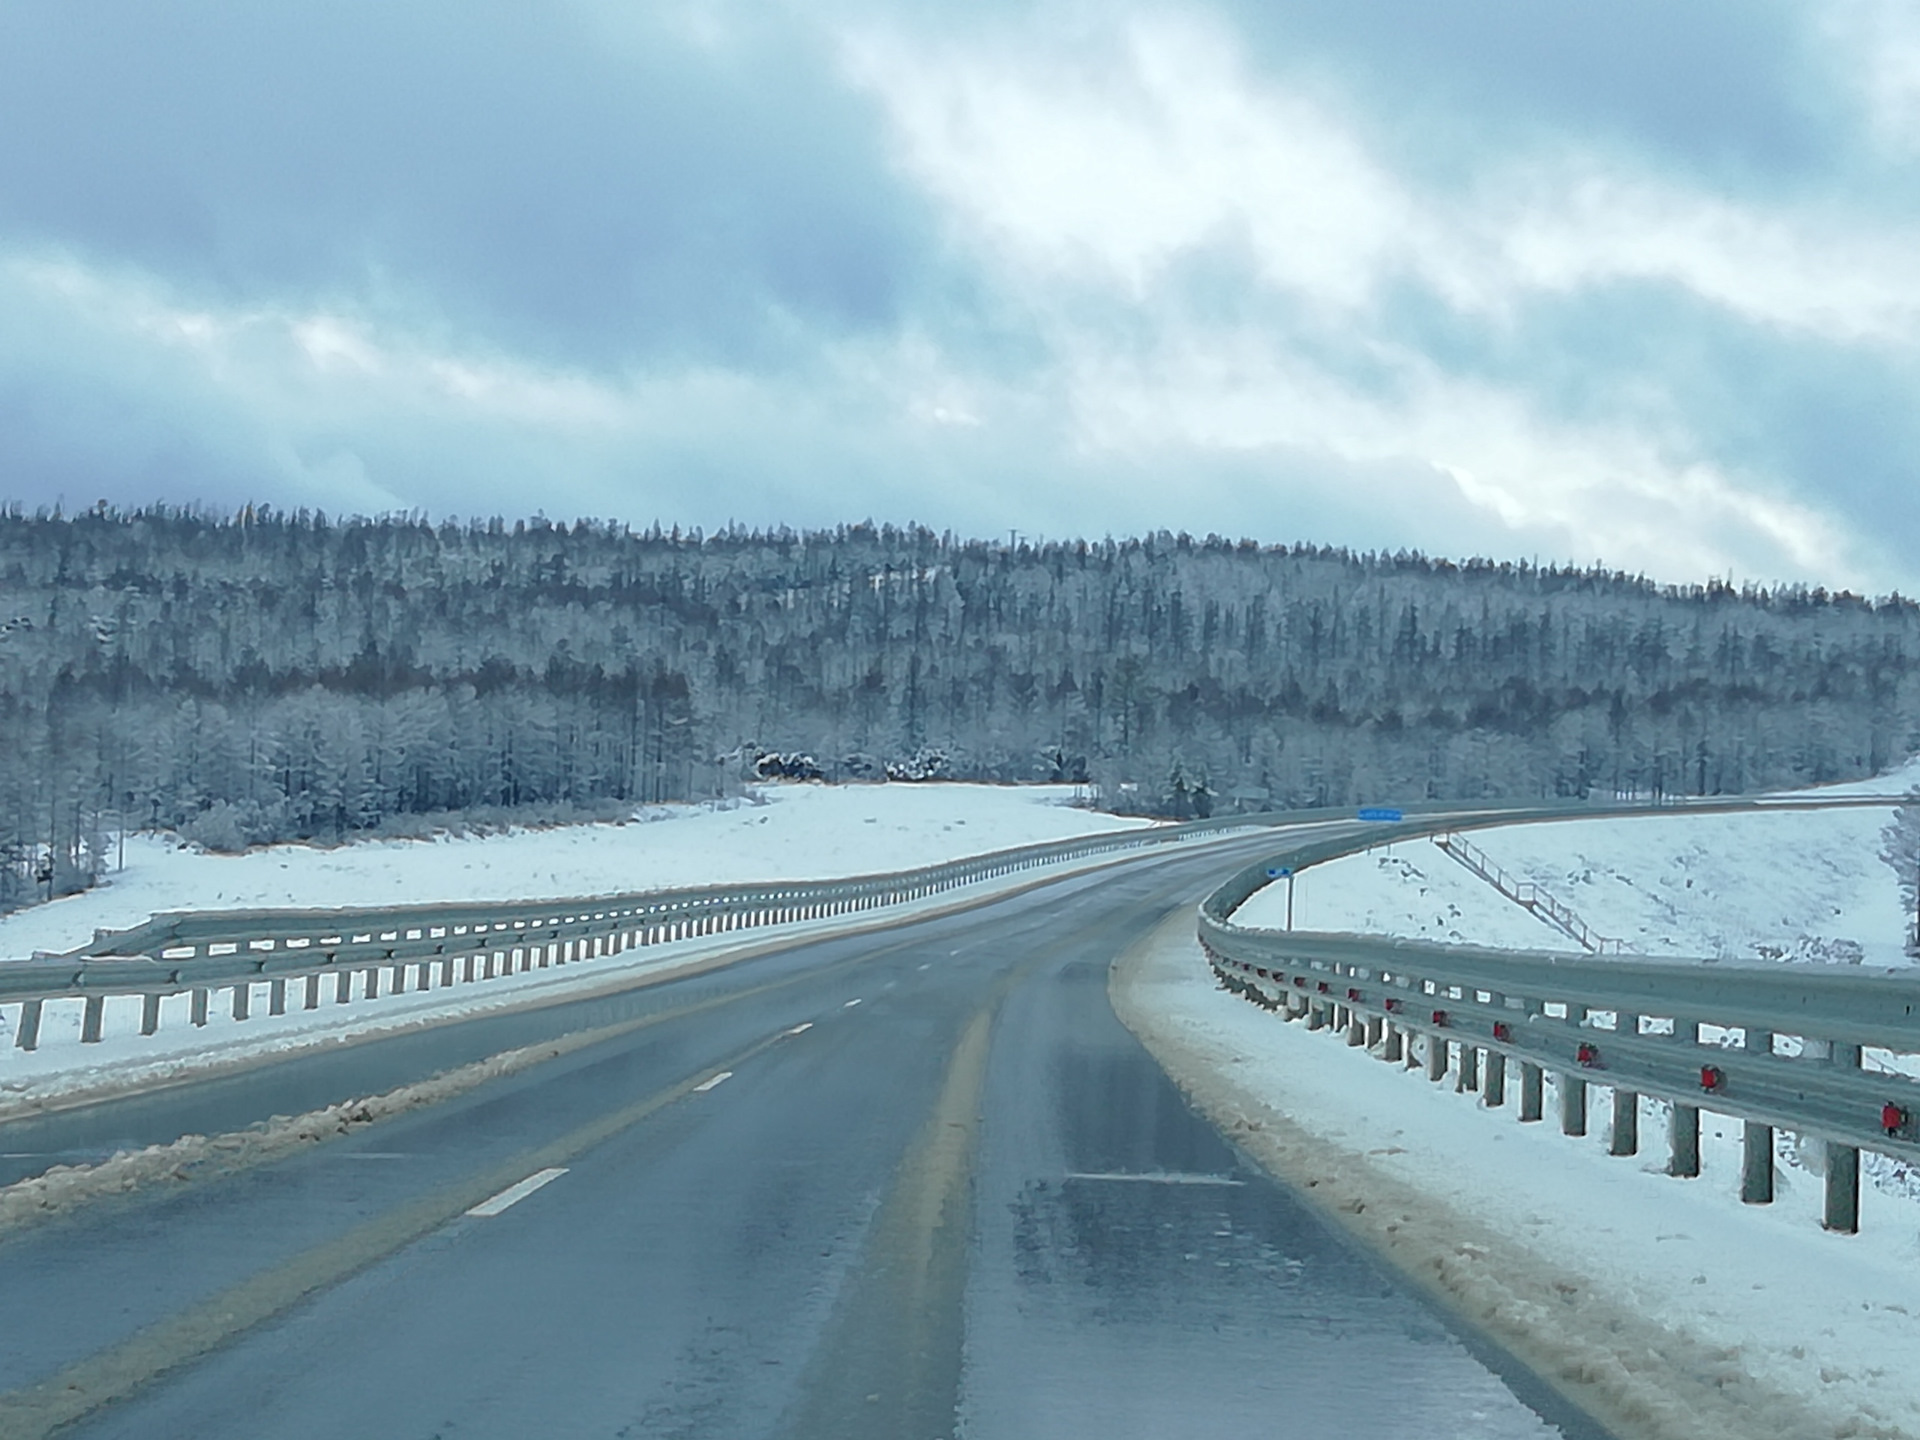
point(302, 957)
point(1813, 1049)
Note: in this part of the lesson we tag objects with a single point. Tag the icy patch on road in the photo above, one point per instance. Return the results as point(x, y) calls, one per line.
point(1664, 1307)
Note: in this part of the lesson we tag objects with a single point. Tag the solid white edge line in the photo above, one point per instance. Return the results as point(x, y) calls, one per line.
point(801, 1028)
point(517, 1192)
point(711, 1081)
point(1155, 1177)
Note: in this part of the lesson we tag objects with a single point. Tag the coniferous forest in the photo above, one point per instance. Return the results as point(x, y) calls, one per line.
point(269, 676)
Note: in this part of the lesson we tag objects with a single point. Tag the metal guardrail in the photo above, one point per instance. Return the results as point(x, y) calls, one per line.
point(1697, 1034)
point(1529, 895)
point(424, 947)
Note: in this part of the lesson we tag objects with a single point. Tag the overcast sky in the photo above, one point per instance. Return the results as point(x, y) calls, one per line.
point(1618, 280)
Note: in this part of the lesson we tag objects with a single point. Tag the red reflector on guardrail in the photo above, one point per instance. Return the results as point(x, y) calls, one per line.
point(1352, 994)
point(1893, 1119)
point(1502, 1031)
point(1711, 1077)
point(1587, 1055)
point(1439, 1017)
point(1391, 1004)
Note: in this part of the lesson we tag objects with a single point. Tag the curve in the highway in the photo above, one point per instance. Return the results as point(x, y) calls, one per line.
point(876, 1186)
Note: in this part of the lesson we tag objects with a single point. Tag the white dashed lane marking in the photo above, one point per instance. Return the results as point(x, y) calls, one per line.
point(850, 1004)
point(515, 1193)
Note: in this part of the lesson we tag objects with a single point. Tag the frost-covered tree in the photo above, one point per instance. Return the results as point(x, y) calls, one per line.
point(1900, 848)
point(272, 675)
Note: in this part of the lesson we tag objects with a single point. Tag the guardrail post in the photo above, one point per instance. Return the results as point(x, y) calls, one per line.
point(1573, 1104)
point(1494, 1092)
point(342, 987)
point(1756, 1163)
point(277, 998)
point(1469, 1075)
point(1684, 1142)
point(1684, 1149)
point(199, 1007)
point(1842, 1208)
point(312, 1001)
point(27, 1037)
point(1390, 1050)
point(1437, 1048)
point(1756, 1140)
point(149, 1014)
point(1316, 1015)
point(91, 1018)
point(1531, 1088)
point(1356, 1030)
point(1623, 1136)
point(1375, 1028)
point(243, 1000)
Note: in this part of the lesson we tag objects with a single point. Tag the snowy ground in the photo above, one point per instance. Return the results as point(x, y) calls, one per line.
point(801, 831)
point(1801, 885)
point(1663, 1305)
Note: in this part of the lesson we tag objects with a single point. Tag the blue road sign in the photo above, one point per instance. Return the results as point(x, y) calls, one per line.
point(1379, 812)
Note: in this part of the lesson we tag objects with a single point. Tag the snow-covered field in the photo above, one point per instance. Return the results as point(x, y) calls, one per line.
point(797, 831)
point(1664, 1304)
point(1801, 885)
point(800, 832)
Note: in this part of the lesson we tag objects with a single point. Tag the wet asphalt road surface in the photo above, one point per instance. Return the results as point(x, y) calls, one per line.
point(962, 1200)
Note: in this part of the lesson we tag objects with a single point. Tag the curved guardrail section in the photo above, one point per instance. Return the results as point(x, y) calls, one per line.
point(1813, 1049)
point(296, 955)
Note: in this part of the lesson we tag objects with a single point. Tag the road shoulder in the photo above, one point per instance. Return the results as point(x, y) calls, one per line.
point(1314, 1115)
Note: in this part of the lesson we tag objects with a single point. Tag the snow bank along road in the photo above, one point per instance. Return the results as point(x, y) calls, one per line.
point(879, 1185)
point(1668, 1308)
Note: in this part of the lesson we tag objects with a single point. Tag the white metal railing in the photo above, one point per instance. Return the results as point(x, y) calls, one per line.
point(1823, 1051)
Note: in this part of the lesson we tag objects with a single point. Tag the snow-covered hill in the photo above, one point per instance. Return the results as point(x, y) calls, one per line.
point(1789, 884)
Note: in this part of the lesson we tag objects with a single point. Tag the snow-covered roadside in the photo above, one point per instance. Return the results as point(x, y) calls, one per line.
point(1664, 1307)
point(800, 832)
point(1797, 884)
point(805, 830)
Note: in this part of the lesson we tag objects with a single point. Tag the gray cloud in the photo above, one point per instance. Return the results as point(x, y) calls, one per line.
point(591, 190)
point(1627, 282)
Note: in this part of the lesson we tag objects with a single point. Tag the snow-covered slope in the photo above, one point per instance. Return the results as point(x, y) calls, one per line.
point(1803, 884)
point(799, 832)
